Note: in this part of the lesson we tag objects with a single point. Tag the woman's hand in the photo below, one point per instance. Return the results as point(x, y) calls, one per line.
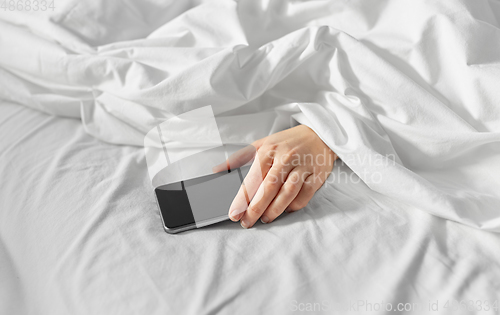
point(289, 167)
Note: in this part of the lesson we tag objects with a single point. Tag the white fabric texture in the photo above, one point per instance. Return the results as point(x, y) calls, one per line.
point(81, 234)
point(413, 80)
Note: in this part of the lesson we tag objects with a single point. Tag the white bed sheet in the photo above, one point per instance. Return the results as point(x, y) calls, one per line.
point(79, 229)
point(412, 83)
point(80, 234)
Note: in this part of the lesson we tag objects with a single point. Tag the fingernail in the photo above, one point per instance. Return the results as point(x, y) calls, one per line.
point(231, 216)
point(244, 224)
point(236, 218)
point(235, 214)
point(264, 219)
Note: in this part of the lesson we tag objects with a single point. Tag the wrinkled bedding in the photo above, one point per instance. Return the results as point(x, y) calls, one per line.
point(413, 84)
point(413, 81)
point(80, 234)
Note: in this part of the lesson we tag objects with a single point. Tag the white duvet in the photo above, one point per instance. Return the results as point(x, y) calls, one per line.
point(414, 84)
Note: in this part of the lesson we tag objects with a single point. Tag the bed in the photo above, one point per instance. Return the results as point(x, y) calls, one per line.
point(80, 232)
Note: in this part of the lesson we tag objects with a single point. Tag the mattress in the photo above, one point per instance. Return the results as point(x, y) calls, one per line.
point(81, 234)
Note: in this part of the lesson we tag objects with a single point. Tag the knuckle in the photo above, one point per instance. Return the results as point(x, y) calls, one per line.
point(294, 178)
point(272, 184)
point(292, 186)
point(271, 212)
point(254, 210)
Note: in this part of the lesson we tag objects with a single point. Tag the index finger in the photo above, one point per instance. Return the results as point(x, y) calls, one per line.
point(239, 158)
point(251, 183)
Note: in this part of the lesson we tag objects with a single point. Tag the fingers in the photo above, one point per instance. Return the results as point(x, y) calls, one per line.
point(312, 183)
point(240, 204)
point(286, 195)
point(258, 170)
point(239, 158)
point(265, 194)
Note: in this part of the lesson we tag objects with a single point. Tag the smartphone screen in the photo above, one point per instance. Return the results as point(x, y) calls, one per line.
point(199, 199)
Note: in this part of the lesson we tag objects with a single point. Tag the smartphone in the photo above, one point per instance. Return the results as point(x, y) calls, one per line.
point(200, 201)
